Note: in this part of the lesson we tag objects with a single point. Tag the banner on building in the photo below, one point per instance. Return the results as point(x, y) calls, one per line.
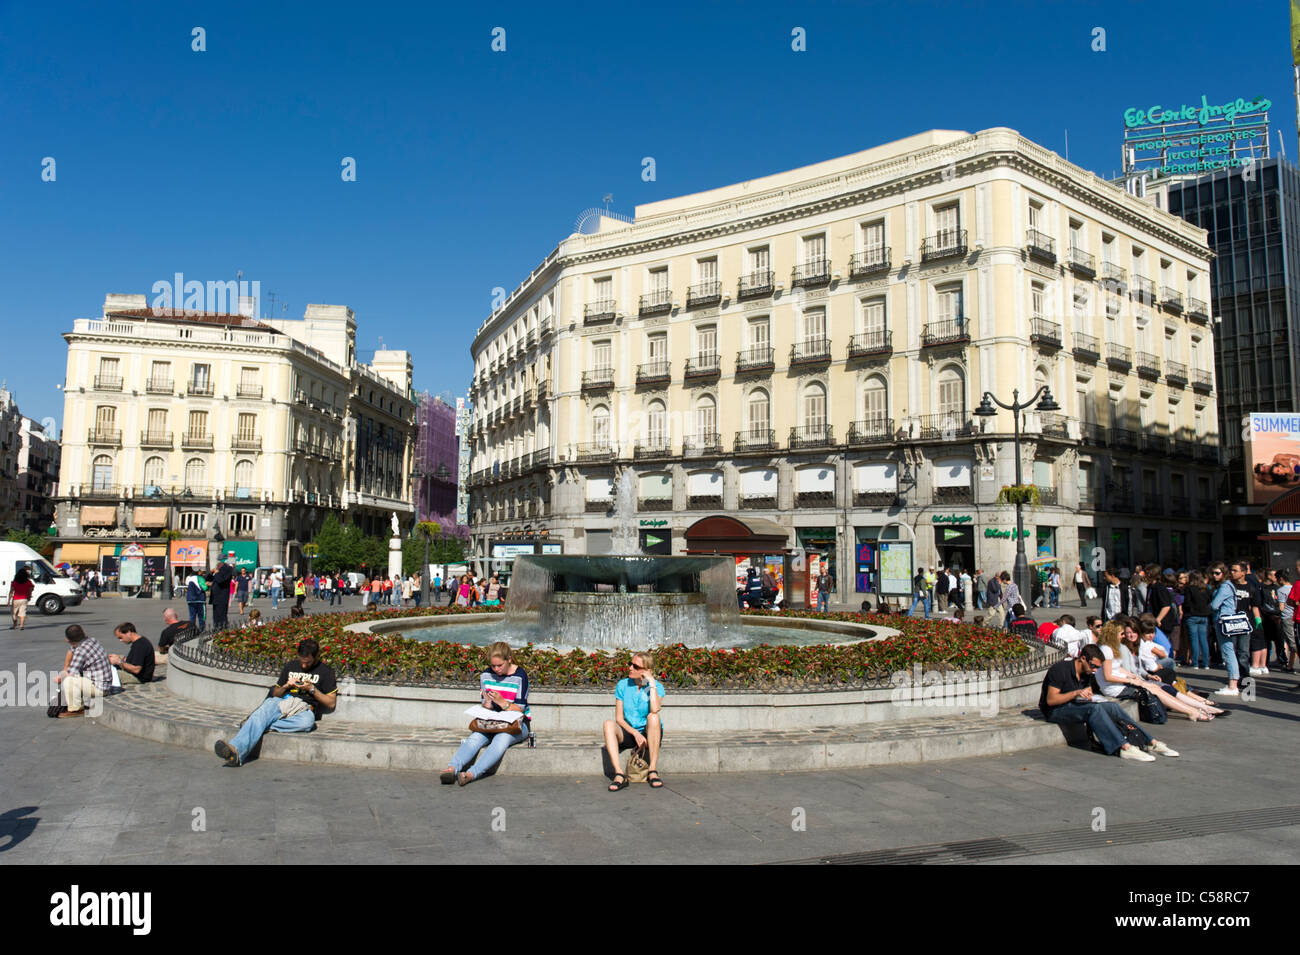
point(190, 554)
point(1272, 456)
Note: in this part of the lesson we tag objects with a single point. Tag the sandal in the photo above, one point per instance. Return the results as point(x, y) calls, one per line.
point(653, 777)
point(615, 786)
point(447, 777)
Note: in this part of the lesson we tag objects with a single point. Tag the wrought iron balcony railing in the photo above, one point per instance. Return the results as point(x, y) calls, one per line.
point(1198, 311)
point(703, 366)
point(754, 440)
point(943, 245)
point(1086, 348)
point(598, 379)
point(654, 372)
point(248, 391)
point(870, 262)
point(247, 442)
point(595, 451)
point(652, 450)
point(955, 332)
point(656, 302)
point(156, 439)
point(1171, 299)
point(759, 358)
point(811, 351)
point(946, 426)
point(160, 386)
point(1082, 263)
point(1202, 381)
point(1176, 374)
point(875, 342)
point(1144, 289)
point(756, 285)
point(1043, 332)
point(1114, 276)
point(812, 273)
point(870, 432)
point(199, 388)
point(704, 294)
point(812, 436)
point(1119, 356)
point(1148, 365)
point(704, 443)
point(599, 313)
point(196, 440)
point(105, 437)
point(953, 495)
point(108, 382)
point(1040, 246)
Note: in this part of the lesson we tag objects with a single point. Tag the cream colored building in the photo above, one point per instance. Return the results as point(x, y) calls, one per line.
point(221, 424)
point(810, 347)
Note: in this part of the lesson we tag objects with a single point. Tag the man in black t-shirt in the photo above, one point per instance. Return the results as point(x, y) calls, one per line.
point(1068, 697)
point(137, 665)
point(305, 690)
point(175, 629)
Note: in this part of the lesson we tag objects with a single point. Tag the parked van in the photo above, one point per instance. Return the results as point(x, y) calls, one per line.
point(53, 591)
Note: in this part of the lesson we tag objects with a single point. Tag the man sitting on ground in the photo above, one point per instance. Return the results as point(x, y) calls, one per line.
point(637, 701)
point(137, 666)
point(304, 692)
point(88, 674)
point(1068, 697)
point(176, 628)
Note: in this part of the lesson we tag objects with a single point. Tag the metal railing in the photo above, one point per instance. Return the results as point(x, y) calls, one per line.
point(1145, 289)
point(1047, 496)
point(246, 443)
point(1119, 355)
point(702, 366)
point(950, 242)
point(248, 391)
point(1198, 311)
point(108, 382)
point(196, 440)
point(598, 379)
point(870, 262)
point(945, 425)
point(1148, 364)
point(1171, 298)
point(704, 293)
point(696, 445)
point(754, 359)
point(870, 432)
point(1043, 332)
point(810, 350)
point(199, 388)
point(1055, 425)
point(654, 371)
point(599, 313)
point(812, 436)
point(754, 440)
point(945, 333)
point(1202, 380)
point(595, 451)
point(1081, 261)
point(1124, 439)
point(654, 504)
point(106, 437)
point(1175, 373)
point(1040, 246)
point(875, 498)
point(651, 450)
point(755, 285)
point(656, 302)
point(157, 439)
point(811, 273)
point(953, 495)
point(159, 386)
point(875, 342)
point(1114, 275)
point(1095, 434)
point(1086, 347)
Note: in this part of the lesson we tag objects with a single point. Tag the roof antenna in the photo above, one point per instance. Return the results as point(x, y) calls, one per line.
point(609, 197)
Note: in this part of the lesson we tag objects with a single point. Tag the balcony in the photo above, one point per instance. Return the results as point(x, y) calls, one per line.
point(530, 338)
point(108, 383)
point(759, 358)
point(758, 503)
point(956, 332)
point(875, 499)
point(1086, 348)
point(945, 426)
point(1207, 510)
point(652, 451)
point(870, 262)
point(814, 499)
point(1180, 506)
point(543, 391)
point(1055, 425)
point(658, 302)
point(702, 445)
point(1155, 443)
point(814, 351)
point(157, 439)
point(1045, 333)
point(1148, 365)
point(1207, 452)
point(1153, 504)
point(704, 502)
point(1144, 290)
point(1121, 500)
point(1202, 381)
point(1094, 434)
point(1184, 449)
point(873, 343)
point(599, 313)
point(755, 285)
point(546, 329)
point(159, 386)
point(246, 443)
point(812, 436)
point(655, 504)
point(704, 294)
point(105, 437)
point(243, 494)
point(1081, 263)
point(102, 490)
point(1176, 374)
point(203, 389)
point(1047, 496)
point(874, 431)
point(1114, 276)
point(1198, 311)
point(1040, 246)
point(595, 451)
point(1119, 356)
point(953, 495)
point(154, 492)
point(1171, 299)
point(598, 507)
point(755, 440)
point(598, 379)
point(541, 459)
point(1088, 498)
point(810, 274)
point(248, 391)
point(1124, 439)
point(196, 441)
point(948, 244)
point(708, 365)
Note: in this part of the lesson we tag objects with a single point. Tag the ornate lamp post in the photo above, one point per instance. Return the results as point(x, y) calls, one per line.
point(986, 410)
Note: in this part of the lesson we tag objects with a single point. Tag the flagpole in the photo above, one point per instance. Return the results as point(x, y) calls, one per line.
point(1296, 69)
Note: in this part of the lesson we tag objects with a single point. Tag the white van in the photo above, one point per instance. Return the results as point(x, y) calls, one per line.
point(53, 591)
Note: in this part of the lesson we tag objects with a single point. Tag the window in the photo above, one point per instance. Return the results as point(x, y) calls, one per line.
point(250, 382)
point(154, 472)
point(105, 419)
point(243, 478)
point(952, 393)
point(1107, 249)
point(873, 240)
point(242, 524)
point(157, 422)
point(1118, 417)
point(706, 419)
point(813, 412)
point(603, 290)
point(160, 374)
point(1035, 215)
point(758, 413)
point(1140, 335)
point(101, 473)
point(1196, 353)
point(1198, 420)
point(657, 347)
point(1175, 414)
point(600, 427)
point(1144, 411)
point(198, 424)
point(1085, 407)
point(194, 520)
point(1139, 264)
point(1077, 235)
point(201, 379)
point(814, 326)
point(706, 344)
point(196, 473)
point(659, 283)
point(601, 359)
point(247, 428)
point(873, 314)
point(875, 405)
point(109, 373)
point(657, 425)
point(1037, 294)
point(760, 261)
point(948, 304)
point(759, 337)
point(708, 271)
point(814, 250)
point(946, 226)
point(1171, 344)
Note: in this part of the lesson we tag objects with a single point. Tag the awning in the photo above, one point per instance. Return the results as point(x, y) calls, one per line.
point(141, 549)
point(245, 554)
point(99, 516)
point(728, 535)
point(190, 554)
point(80, 554)
point(150, 517)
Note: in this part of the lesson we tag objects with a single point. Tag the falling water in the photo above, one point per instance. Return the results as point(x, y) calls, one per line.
point(624, 538)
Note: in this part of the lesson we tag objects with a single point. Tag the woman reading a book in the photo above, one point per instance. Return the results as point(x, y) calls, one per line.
point(504, 686)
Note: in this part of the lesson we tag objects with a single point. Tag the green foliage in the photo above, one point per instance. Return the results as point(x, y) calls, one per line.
point(34, 541)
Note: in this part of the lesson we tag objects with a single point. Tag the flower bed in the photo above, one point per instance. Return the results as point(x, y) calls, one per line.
point(934, 645)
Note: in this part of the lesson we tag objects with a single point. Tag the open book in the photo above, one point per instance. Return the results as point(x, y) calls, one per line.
point(483, 713)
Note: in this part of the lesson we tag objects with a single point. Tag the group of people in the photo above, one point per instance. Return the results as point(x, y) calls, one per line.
point(465, 591)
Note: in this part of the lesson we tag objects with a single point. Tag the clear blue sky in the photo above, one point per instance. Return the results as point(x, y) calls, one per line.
point(472, 165)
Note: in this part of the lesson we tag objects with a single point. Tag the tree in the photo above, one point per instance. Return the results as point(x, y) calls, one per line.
point(331, 547)
point(34, 541)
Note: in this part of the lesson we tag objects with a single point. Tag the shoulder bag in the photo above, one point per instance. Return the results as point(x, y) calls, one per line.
point(1150, 709)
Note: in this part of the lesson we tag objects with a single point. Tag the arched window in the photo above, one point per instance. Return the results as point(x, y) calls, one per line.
point(101, 473)
point(813, 411)
point(154, 469)
point(952, 392)
point(196, 474)
point(600, 426)
point(1040, 378)
point(706, 419)
point(875, 405)
point(758, 413)
point(243, 478)
point(656, 425)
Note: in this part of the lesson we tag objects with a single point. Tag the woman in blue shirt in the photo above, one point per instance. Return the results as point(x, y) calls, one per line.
point(636, 723)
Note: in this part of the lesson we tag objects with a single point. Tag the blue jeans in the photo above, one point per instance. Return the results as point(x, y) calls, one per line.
point(1228, 650)
point(923, 601)
point(823, 603)
point(197, 613)
point(267, 716)
point(1196, 630)
point(1102, 720)
point(277, 592)
point(496, 744)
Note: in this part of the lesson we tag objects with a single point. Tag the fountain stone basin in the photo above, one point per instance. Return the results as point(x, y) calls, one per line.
point(640, 619)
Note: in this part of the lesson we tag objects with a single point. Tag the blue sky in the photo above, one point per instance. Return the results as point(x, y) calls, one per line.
point(472, 164)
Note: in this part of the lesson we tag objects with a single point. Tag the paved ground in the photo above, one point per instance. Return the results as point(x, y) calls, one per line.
point(75, 792)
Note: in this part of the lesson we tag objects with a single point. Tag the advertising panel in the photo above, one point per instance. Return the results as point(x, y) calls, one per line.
point(190, 554)
point(896, 568)
point(1272, 456)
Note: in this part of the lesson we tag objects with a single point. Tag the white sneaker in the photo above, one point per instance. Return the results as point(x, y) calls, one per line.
point(1263, 671)
point(1227, 692)
point(1132, 752)
point(1256, 671)
point(1159, 747)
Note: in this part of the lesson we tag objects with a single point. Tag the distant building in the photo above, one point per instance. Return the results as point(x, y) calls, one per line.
point(464, 415)
point(38, 477)
point(10, 444)
point(437, 462)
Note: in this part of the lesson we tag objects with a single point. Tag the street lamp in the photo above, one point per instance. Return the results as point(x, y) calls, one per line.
point(986, 410)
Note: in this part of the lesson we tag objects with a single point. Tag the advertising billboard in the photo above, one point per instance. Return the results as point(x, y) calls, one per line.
point(1272, 456)
point(1173, 138)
